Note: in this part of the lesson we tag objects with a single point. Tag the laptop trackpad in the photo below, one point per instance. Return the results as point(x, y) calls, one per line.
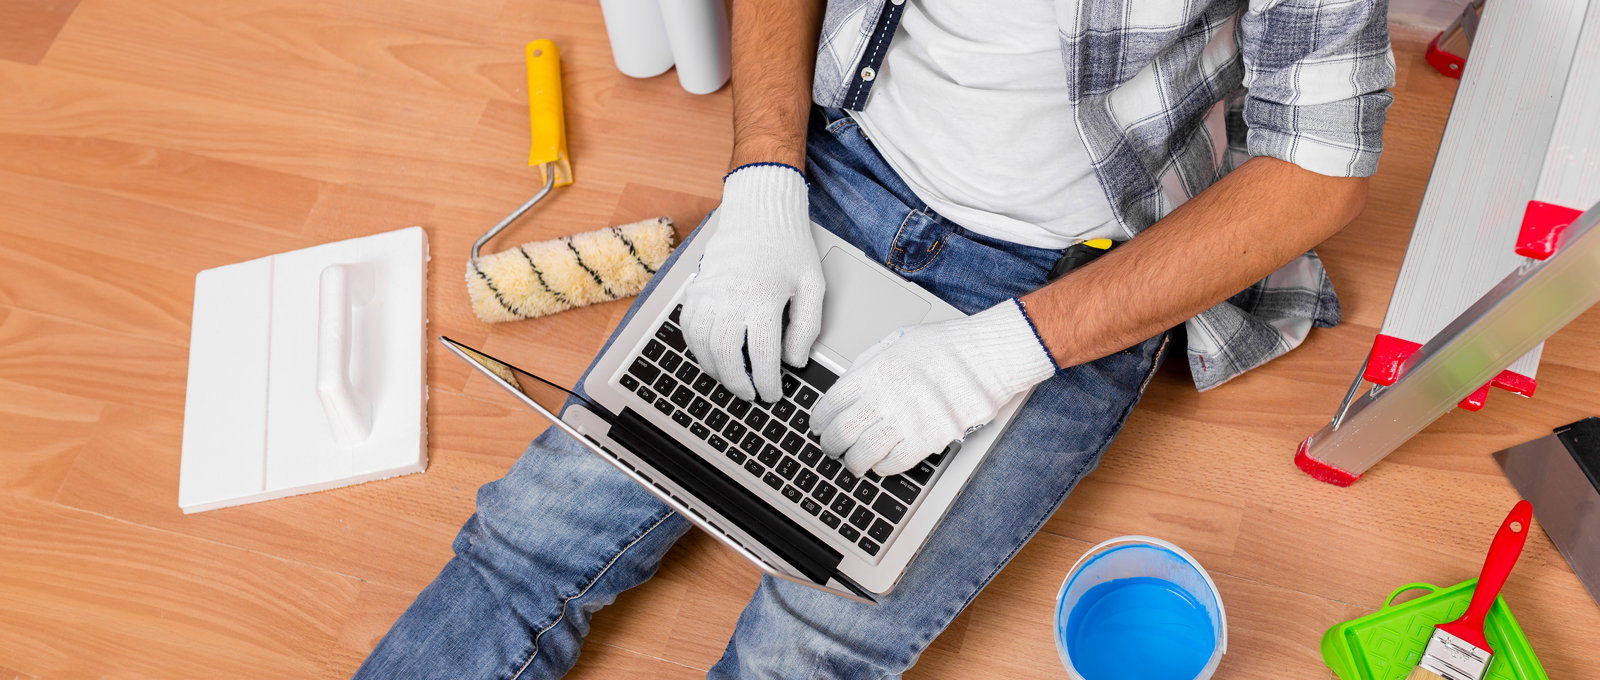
point(863, 303)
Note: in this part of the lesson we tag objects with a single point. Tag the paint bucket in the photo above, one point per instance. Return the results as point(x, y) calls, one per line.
point(1139, 608)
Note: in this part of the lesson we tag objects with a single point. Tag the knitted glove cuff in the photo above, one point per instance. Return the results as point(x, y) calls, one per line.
point(767, 164)
point(1004, 337)
point(768, 196)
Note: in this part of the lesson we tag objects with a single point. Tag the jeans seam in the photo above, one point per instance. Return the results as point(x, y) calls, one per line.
point(593, 580)
point(1155, 364)
point(894, 247)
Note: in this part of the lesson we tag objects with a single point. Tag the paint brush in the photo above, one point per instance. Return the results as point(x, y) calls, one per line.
point(1458, 650)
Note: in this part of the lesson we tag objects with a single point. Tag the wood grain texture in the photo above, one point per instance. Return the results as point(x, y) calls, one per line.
point(142, 141)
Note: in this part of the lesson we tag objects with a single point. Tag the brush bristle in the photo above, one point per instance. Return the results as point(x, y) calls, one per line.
point(1420, 673)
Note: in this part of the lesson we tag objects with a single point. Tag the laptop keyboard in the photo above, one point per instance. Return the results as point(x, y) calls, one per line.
point(772, 442)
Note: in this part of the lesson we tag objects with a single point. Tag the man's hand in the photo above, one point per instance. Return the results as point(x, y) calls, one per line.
point(925, 386)
point(760, 260)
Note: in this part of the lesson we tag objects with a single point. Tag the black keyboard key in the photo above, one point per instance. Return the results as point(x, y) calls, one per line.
point(751, 443)
point(865, 492)
point(699, 430)
point(687, 373)
point(816, 375)
point(756, 418)
point(720, 395)
point(754, 468)
point(901, 487)
point(683, 396)
point(664, 406)
point(801, 421)
point(700, 408)
point(810, 506)
point(720, 444)
point(828, 519)
point(654, 350)
point(810, 455)
point(670, 334)
point(787, 467)
point(675, 314)
point(849, 533)
point(921, 473)
point(792, 494)
point(880, 531)
point(842, 505)
point(824, 492)
point(735, 455)
point(873, 476)
point(806, 480)
point(783, 410)
point(665, 384)
point(716, 419)
point(770, 455)
point(670, 361)
point(828, 467)
point(682, 419)
point(789, 384)
point(629, 383)
point(889, 507)
point(773, 481)
point(862, 517)
point(867, 545)
point(734, 431)
point(705, 384)
point(846, 481)
point(738, 407)
point(774, 431)
point(644, 371)
point(805, 397)
point(647, 394)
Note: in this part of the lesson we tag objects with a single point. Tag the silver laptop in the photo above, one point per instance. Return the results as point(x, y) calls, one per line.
point(750, 473)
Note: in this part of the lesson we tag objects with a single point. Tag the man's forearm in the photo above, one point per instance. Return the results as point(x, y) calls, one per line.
point(773, 58)
point(1241, 229)
point(774, 50)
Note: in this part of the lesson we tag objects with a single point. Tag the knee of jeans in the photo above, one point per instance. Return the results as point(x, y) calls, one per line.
point(790, 631)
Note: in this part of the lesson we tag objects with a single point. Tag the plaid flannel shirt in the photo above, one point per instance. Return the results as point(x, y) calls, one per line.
point(1169, 95)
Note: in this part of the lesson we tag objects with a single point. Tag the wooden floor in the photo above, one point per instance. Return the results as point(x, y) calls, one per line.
point(144, 140)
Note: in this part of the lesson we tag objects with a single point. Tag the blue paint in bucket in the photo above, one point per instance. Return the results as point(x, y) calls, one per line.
point(1140, 628)
point(1139, 608)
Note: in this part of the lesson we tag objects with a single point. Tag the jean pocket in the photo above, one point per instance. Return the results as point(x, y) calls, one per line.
point(846, 126)
point(917, 243)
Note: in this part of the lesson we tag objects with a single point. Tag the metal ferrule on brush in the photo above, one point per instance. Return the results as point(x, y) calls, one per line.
point(1453, 658)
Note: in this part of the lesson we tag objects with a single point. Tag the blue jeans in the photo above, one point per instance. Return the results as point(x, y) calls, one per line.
point(563, 532)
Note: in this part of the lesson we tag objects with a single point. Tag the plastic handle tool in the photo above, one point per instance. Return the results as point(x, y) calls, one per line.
point(546, 113)
point(1503, 554)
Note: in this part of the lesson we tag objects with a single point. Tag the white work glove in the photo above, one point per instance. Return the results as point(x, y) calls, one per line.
point(760, 258)
point(925, 386)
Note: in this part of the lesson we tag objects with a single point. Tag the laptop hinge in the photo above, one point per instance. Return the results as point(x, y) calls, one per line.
point(752, 514)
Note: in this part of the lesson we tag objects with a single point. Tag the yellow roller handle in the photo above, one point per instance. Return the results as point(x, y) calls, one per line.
point(545, 111)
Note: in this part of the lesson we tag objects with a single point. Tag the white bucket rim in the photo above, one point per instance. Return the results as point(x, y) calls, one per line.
point(1103, 546)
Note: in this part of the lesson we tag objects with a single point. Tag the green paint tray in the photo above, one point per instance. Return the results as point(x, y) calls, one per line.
point(1388, 643)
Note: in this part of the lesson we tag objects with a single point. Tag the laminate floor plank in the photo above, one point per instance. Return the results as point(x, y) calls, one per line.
point(121, 600)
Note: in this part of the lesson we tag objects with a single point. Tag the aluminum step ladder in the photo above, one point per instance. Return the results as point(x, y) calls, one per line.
point(1500, 257)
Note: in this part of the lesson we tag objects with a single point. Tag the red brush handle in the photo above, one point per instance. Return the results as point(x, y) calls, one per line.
point(1503, 555)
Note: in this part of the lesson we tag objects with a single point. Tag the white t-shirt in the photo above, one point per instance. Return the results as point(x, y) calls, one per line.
point(970, 108)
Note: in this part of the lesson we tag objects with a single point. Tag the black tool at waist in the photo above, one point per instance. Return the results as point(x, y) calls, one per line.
point(1081, 254)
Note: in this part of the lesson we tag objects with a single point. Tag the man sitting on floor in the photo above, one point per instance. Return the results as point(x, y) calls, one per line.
point(967, 153)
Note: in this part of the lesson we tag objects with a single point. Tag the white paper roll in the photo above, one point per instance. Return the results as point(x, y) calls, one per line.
point(638, 37)
point(697, 31)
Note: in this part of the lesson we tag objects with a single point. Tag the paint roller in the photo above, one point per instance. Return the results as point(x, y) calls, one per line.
point(544, 277)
